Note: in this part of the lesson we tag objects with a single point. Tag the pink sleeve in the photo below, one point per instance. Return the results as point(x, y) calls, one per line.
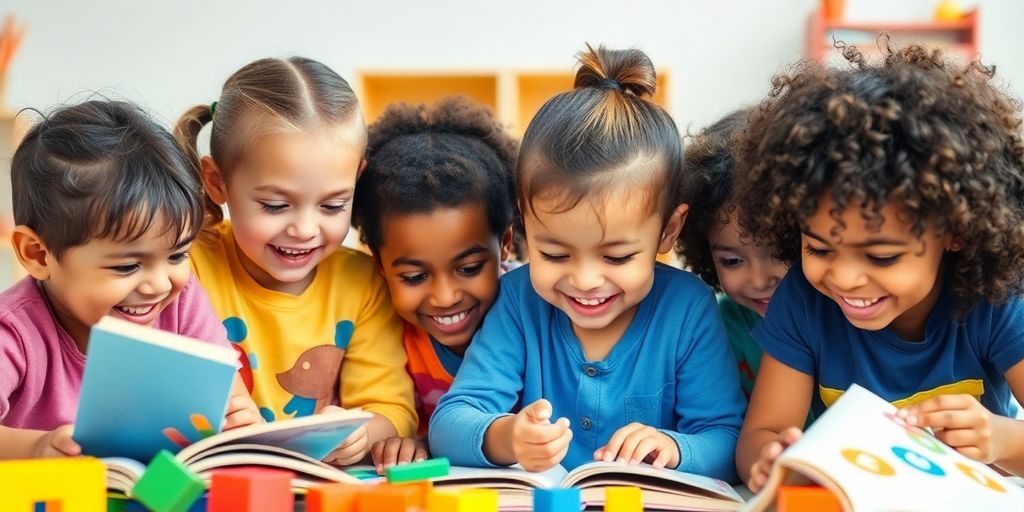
point(196, 317)
point(12, 366)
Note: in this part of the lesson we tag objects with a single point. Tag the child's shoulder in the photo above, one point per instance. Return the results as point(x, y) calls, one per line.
point(674, 282)
point(348, 260)
point(24, 309)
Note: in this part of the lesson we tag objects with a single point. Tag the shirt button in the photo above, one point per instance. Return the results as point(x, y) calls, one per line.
point(590, 371)
point(586, 423)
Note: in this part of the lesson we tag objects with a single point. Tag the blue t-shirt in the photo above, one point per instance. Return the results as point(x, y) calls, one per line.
point(672, 370)
point(808, 332)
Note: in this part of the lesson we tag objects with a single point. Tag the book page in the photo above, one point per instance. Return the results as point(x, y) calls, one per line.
point(881, 463)
point(646, 476)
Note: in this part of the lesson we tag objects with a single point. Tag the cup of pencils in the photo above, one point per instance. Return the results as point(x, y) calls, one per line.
point(11, 36)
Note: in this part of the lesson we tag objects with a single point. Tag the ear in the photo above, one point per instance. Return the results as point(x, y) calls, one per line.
point(955, 244)
point(213, 181)
point(505, 249)
point(673, 226)
point(362, 167)
point(31, 252)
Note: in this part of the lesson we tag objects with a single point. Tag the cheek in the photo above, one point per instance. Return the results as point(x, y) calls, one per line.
point(405, 300)
point(732, 281)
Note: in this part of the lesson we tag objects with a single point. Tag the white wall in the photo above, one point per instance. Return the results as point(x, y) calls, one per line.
point(169, 55)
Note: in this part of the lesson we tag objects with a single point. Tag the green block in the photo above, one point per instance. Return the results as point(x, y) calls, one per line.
point(415, 471)
point(117, 504)
point(167, 485)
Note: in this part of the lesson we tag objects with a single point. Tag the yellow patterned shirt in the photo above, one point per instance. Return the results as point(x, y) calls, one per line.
point(339, 342)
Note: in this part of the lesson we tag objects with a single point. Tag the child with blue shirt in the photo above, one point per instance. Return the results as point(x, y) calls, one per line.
point(593, 351)
point(896, 191)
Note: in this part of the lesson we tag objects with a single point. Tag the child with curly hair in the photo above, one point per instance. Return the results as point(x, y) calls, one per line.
point(713, 247)
point(897, 191)
point(435, 206)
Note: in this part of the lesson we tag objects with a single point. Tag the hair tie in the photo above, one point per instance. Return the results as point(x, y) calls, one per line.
point(213, 108)
point(610, 83)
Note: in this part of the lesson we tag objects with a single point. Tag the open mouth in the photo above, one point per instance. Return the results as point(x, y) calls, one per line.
point(136, 310)
point(861, 308)
point(454, 323)
point(292, 253)
point(591, 306)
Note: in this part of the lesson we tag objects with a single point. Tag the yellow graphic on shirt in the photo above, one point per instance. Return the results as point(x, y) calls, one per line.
point(973, 387)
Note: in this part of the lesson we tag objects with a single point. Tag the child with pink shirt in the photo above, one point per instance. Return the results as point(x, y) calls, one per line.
point(106, 209)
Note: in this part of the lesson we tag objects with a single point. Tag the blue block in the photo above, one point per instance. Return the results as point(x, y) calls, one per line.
point(556, 500)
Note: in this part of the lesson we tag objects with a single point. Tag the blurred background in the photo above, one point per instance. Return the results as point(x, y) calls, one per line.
point(712, 55)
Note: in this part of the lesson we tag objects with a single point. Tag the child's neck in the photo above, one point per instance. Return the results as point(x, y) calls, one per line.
point(913, 323)
point(598, 343)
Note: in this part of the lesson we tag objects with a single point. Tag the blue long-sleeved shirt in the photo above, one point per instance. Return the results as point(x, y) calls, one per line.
point(671, 370)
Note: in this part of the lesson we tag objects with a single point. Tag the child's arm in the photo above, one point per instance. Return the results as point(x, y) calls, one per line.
point(18, 443)
point(777, 411)
point(962, 422)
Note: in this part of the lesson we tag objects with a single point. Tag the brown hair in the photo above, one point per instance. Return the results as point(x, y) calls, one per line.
point(937, 137)
point(266, 96)
point(604, 130)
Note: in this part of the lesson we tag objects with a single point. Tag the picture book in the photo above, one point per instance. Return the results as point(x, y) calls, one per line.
point(662, 489)
point(872, 460)
point(146, 390)
point(296, 444)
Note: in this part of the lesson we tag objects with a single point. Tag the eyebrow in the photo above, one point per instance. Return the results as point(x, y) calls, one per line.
point(141, 254)
point(727, 248)
point(274, 189)
point(476, 249)
point(611, 243)
point(866, 243)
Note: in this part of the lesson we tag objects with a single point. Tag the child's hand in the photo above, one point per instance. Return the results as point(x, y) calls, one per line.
point(537, 443)
point(57, 443)
point(242, 411)
point(353, 449)
point(762, 468)
point(636, 443)
point(961, 422)
point(397, 450)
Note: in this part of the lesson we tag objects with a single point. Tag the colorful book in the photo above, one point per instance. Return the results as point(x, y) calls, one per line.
point(146, 390)
point(872, 460)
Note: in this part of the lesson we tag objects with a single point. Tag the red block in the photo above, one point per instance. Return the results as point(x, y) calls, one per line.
point(806, 498)
point(251, 489)
point(332, 497)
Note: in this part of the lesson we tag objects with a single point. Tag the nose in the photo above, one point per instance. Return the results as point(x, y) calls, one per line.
point(586, 276)
point(303, 225)
point(445, 293)
point(846, 275)
point(762, 277)
point(157, 282)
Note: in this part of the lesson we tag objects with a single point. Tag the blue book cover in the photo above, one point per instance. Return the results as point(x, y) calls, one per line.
point(146, 390)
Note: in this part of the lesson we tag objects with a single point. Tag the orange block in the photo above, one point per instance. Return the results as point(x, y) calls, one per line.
point(806, 498)
point(390, 498)
point(332, 497)
point(423, 490)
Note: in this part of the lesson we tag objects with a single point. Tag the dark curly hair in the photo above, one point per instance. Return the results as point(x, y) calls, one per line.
point(938, 138)
point(709, 166)
point(421, 158)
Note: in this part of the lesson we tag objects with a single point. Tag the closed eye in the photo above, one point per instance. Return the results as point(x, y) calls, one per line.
point(556, 258)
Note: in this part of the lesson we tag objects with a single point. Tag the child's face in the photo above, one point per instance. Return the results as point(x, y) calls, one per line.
point(597, 277)
point(290, 203)
point(878, 278)
point(748, 273)
point(442, 270)
point(133, 280)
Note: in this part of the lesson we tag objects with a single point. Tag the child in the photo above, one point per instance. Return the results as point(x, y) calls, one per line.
point(106, 209)
point(312, 319)
point(592, 331)
point(899, 187)
point(712, 247)
point(435, 206)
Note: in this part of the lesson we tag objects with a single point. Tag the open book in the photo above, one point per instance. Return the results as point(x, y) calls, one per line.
point(872, 460)
point(296, 444)
point(662, 489)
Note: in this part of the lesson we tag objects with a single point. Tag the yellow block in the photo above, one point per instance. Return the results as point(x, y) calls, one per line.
point(465, 500)
point(623, 499)
point(78, 484)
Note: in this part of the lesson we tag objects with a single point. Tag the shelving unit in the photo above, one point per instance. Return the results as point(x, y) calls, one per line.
point(513, 95)
point(958, 38)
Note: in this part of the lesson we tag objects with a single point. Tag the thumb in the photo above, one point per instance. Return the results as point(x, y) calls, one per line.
point(539, 411)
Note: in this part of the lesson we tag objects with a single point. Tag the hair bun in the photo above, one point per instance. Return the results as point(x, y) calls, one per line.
point(628, 71)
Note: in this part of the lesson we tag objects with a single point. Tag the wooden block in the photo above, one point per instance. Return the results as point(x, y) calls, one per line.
point(65, 484)
point(332, 497)
point(806, 498)
point(556, 500)
point(251, 489)
point(464, 500)
point(623, 499)
point(167, 485)
point(387, 498)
